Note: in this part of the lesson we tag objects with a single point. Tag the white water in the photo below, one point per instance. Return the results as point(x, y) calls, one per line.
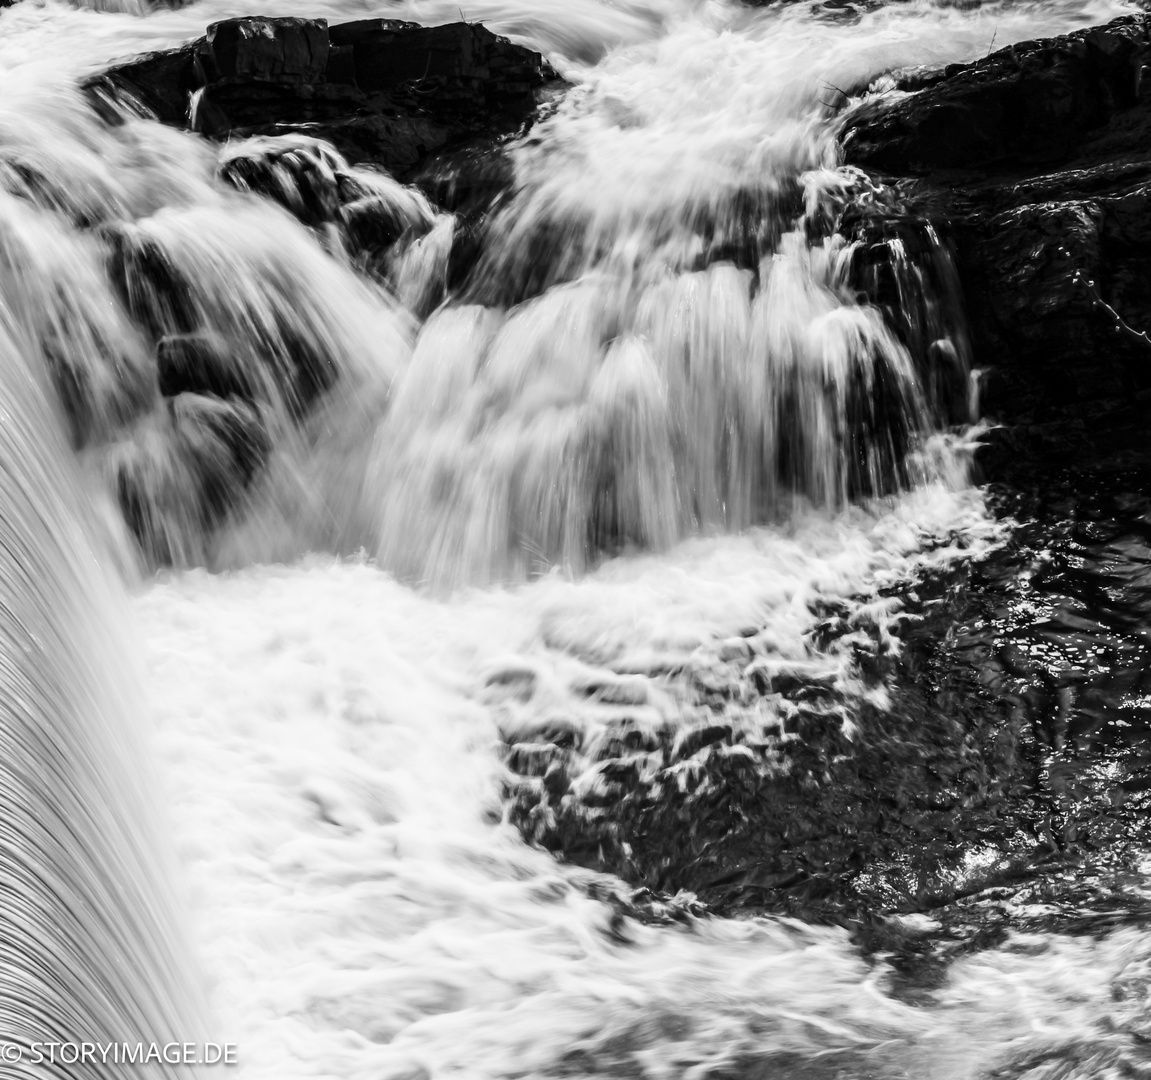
point(328, 737)
point(336, 779)
point(87, 944)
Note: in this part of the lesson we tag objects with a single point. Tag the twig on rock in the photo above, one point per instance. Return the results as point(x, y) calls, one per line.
point(1120, 325)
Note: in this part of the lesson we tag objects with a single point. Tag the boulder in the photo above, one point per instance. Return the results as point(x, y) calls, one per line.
point(468, 179)
point(369, 210)
point(1034, 166)
point(1025, 105)
point(372, 224)
point(224, 444)
point(381, 90)
point(267, 50)
point(159, 85)
point(186, 469)
point(300, 364)
point(202, 364)
point(365, 31)
point(302, 176)
point(151, 287)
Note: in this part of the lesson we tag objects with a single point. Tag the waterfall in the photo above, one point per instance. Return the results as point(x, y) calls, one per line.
point(612, 377)
point(661, 335)
point(438, 529)
point(91, 945)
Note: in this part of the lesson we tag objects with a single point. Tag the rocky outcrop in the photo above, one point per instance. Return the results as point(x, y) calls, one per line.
point(1035, 164)
point(368, 209)
point(380, 90)
point(1024, 106)
point(300, 104)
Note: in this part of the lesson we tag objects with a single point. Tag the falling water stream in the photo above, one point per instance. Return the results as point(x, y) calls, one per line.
point(257, 783)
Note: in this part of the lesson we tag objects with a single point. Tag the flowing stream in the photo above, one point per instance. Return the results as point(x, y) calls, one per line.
point(263, 795)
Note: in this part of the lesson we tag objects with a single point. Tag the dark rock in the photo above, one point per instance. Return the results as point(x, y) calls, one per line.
point(399, 143)
point(907, 270)
point(369, 210)
point(364, 31)
point(1030, 103)
point(466, 253)
point(301, 176)
point(160, 84)
point(1034, 166)
point(201, 364)
point(697, 738)
point(300, 365)
point(283, 358)
point(280, 50)
point(468, 180)
point(532, 759)
point(381, 90)
point(153, 290)
point(463, 65)
point(374, 223)
point(177, 486)
point(98, 383)
point(225, 444)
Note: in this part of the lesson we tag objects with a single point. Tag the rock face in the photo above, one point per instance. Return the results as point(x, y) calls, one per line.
point(318, 187)
point(1023, 106)
point(380, 90)
point(1035, 163)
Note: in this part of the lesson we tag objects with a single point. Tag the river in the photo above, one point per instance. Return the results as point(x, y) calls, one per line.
point(537, 516)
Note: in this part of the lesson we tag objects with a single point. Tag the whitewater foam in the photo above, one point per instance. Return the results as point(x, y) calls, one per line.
point(337, 794)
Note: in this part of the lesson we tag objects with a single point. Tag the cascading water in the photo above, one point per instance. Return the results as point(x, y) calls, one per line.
point(90, 949)
point(658, 431)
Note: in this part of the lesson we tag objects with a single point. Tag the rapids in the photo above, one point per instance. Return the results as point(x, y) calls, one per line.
point(659, 433)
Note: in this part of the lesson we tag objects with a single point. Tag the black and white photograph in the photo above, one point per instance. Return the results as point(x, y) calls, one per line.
point(575, 540)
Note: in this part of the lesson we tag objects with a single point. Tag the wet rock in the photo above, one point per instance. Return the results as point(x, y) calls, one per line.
point(303, 177)
point(431, 104)
point(696, 739)
point(1027, 104)
point(1033, 166)
point(1005, 786)
point(282, 50)
point(532, 759)
point(201, 364)
point(100, 385)
point(366, 208)
point(186, 469)
point(158, 84)
point(365, 31)
point(277, 356)
point(468, 182)
point(225, 444)
point(466, 253)
point(380, 90)
point(374, 223)
point(152, 289)
point(301, 365)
